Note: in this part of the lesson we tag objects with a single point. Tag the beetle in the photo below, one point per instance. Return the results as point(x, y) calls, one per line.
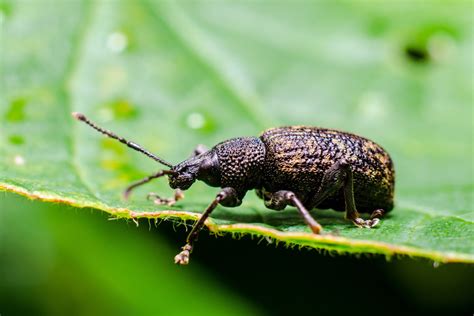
point(300, 166)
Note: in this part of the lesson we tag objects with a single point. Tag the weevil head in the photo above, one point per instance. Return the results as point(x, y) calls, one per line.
point(204, 167)
point(236, 163)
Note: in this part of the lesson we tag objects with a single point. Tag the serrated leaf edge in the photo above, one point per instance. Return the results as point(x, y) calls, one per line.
point(330, 243)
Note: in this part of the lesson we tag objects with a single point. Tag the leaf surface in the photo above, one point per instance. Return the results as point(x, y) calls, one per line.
point(171, 75)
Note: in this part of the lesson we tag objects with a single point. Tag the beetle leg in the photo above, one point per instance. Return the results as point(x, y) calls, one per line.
point(199, 150)
point(337, 177)
point(223, 197)
point(178, 195)
point(333, 180)
point(351, 211)
point(280, 199)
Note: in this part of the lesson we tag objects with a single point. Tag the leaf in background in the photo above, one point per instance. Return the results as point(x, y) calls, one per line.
point(171, 75)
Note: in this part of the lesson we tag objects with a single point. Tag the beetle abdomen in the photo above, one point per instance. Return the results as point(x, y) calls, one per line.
point(298, 156)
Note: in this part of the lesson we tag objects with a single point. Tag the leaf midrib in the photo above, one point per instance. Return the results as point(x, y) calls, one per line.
point(253, 110)
point(70, 75)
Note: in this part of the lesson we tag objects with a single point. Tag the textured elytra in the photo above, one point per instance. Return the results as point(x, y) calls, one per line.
point(297, 158)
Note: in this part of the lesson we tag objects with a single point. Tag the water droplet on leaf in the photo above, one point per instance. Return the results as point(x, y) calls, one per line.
point(372, 105)
point(441, 46)
point(19, 160)
point(195, 120)
point(117, 42)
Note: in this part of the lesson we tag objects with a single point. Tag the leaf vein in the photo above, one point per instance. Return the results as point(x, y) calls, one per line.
point(178, 25)
point(70, 72)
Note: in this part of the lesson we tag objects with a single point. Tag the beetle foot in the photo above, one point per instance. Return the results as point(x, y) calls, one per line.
point(379, 213)
point(359, 222)
point(182, 258)
point(178, 195)
point(316, 228)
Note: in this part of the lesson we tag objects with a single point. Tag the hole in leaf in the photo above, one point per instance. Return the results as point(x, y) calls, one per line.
point(417, 54)
point(431, 43)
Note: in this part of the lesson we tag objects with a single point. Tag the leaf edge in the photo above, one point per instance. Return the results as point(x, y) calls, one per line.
point(323, 243)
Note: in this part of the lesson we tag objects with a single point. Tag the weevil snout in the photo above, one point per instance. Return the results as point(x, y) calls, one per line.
point(204, 167)
point(182, 180)
point(184, 174)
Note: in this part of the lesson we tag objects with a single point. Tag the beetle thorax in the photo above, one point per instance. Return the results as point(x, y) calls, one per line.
point(241, 162)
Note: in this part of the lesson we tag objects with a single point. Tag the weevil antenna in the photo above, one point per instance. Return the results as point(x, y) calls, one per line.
point(82, 117)
point(138, 183)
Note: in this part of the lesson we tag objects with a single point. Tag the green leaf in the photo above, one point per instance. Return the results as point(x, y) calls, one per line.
point(171, 75)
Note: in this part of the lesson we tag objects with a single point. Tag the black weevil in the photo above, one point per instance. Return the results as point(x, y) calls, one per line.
point(305, 167)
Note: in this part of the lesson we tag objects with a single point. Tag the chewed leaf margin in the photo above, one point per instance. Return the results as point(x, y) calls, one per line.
point(329, 243)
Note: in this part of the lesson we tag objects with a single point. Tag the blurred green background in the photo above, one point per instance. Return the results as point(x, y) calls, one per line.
point(400, 71)
point(57, 260)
